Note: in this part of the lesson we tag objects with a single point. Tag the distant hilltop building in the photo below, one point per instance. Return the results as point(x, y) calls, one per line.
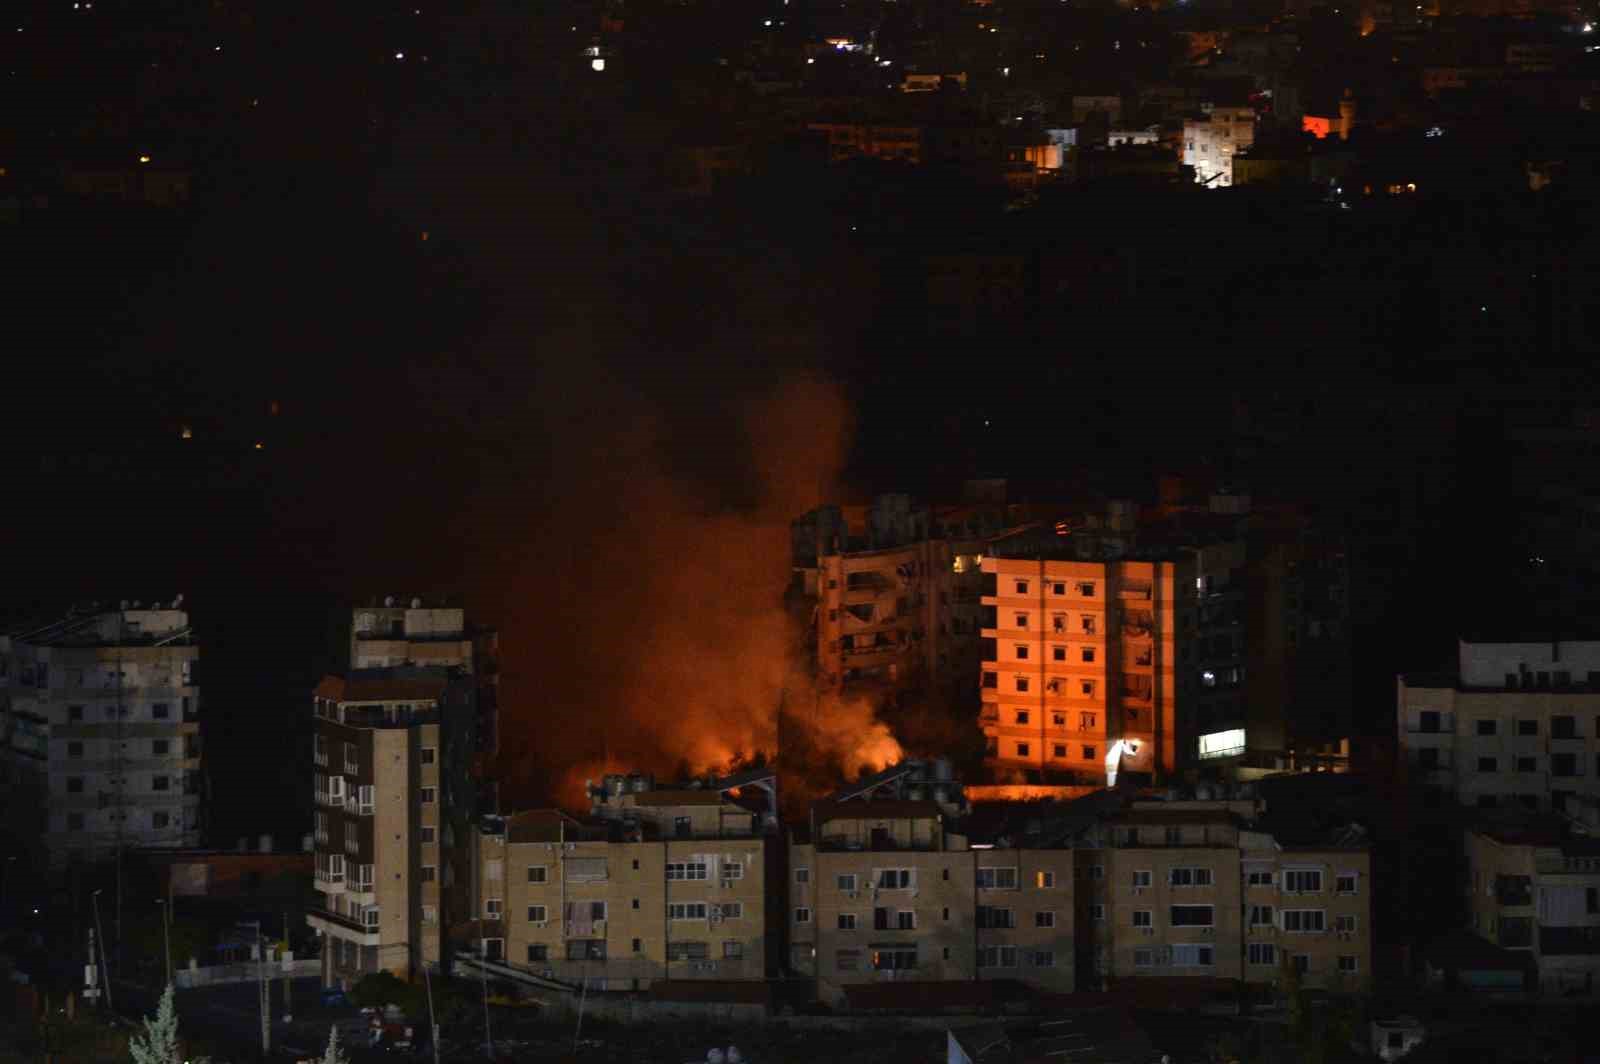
point(100, 732)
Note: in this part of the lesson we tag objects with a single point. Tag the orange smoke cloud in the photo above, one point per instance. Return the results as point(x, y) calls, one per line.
point(681, 649)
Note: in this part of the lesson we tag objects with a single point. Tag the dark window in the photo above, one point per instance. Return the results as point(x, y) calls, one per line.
point(1527, 764)
point(1527, 727)
point(1088, 753)
point(990, 679)
point(160, 710)
point(1563, 727)
point(74, 749)
point(538, 953)
point(682, 827)
point(1428, 721)
point(161, 820)
point(74, 713)
point(1563, 764)
point(1058, 653)
point(1060, 750)
point(75, 822)
point(1190, 915)
point(638, 945)
point(74, 784)
point(1428, 757)
point(1486, 727)
point(160, 747)
point(160, 783)
point(1487, 764)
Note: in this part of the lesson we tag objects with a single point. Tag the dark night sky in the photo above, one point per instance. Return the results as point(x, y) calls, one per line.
point(570, 380)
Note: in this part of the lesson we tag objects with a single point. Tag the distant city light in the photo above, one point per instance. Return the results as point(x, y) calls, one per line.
point(766, 22)
point(399, 55)
point(1588, 27)
point(186, 433)
point(808, 61)
point(144, 158)
point(597, 64)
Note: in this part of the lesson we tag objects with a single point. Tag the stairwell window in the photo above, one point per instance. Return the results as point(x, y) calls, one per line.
point(428, 794)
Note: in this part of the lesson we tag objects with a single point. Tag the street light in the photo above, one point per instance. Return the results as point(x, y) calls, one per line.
point(105, 971)
point(166, 933)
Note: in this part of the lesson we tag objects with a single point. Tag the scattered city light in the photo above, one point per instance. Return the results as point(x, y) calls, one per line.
point(144, 158)
point(186, 433)
point(1588, 27)
point(399, 55)
point(597, 64)
point(259, 445)
point(766, 22)
point(810, 61)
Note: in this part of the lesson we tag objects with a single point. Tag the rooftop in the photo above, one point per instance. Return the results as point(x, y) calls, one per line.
point(665, 796)
point(129, 625)
point(385, 685)
point(889, 809)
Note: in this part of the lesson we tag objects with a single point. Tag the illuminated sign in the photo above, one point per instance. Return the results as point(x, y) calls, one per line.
point(1222, 743)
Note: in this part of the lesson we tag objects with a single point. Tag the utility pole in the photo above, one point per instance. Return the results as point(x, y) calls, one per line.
point(288, 1003)
point(105, 973)
point(263, 992)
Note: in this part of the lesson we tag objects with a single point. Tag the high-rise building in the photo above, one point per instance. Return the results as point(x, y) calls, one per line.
point(100, 732)
point(395, 799)
point(658, 883)
point(892, 588)
point(422, 635)
point(1086, 663)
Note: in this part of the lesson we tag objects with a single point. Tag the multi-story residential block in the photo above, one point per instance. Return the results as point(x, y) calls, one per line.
point(660, 883)
point(1212, 636)
point(419, 635)
point(1082, 660)
point(1535, 887)
point(893, 589)
point(1516, 722)
point(100, 745)
point(883, 886)
point(1212, 891)
point(395, 795)
point(1210, 142)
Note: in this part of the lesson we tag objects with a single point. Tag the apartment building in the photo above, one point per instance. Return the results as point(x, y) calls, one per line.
point(421, 635)
point(1211, 140)
point(658, 883)
point(1209, 889)
point(1515, 723)
point(1534, 887)
point(395, 795)
point(100, 746)
point(1081, 663)
point(886, 890)
point(892, 589)
point(883, 886)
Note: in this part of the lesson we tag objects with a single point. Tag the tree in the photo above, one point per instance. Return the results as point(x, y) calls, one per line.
point(159, 1042)
point(334, 1055)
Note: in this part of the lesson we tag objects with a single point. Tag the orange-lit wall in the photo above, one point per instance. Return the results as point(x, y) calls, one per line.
point(1320, 127)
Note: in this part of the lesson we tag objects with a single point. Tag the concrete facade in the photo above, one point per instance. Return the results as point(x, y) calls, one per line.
point(1518, 723)
point(661, 884)
point(100, 746)
point(885, 891)
point(1192, 890)
point(1211, 141)
point(1538, 891)
point(394, 794)
point(1080, 655)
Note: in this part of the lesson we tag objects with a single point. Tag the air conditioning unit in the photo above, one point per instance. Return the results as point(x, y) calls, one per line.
point(1148, 930)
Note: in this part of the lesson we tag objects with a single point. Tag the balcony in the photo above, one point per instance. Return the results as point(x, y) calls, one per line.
point(329, 882)
point(371, 717)
point(1510, 891)
point(351, 768)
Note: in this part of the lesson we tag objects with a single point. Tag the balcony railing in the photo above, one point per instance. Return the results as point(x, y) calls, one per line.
point(351, 768)
point(329, 881)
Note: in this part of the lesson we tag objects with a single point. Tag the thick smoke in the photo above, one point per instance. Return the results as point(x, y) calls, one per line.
point(676, 647)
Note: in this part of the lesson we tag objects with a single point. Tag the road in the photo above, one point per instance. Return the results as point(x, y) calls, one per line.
point(229, 1015)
